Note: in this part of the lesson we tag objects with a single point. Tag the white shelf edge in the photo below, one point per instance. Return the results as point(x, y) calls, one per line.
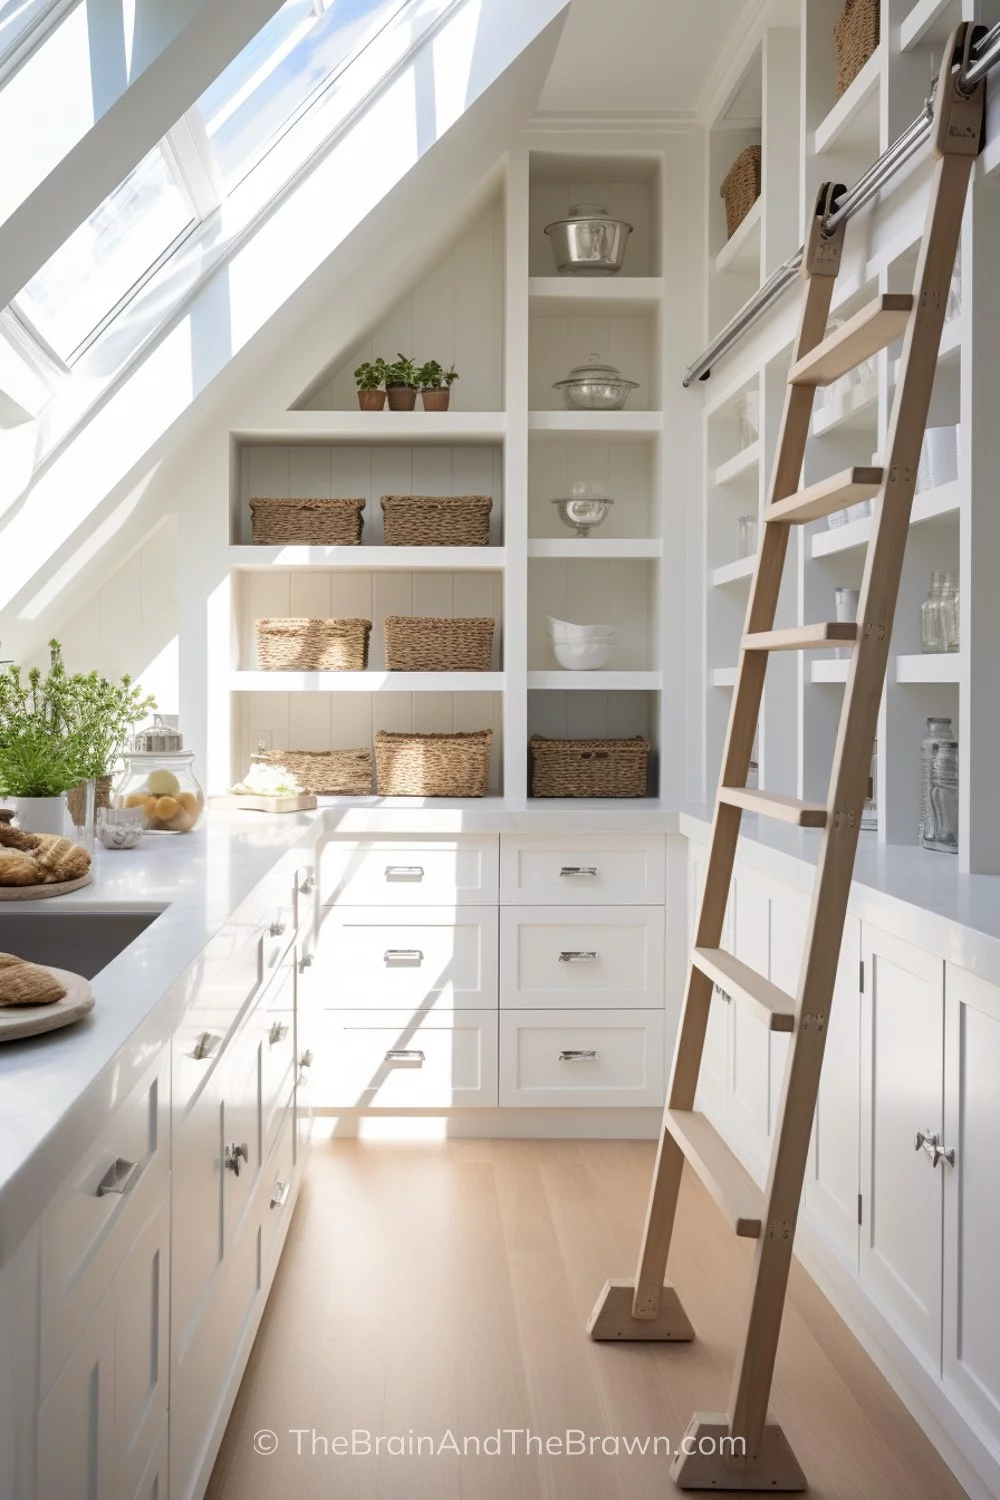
point(940, 667)
point(842, 122)
point(740, 463)
point(642, 548)
point(829, 669)
point(250, 558)
point(603, 681)
point(373, 427)
point(598, 423)
point(366, 682)
point(845, 409)
point(919, 20)
point(722, 677)
point(733, 572)
point(559, 293)
point(932, 505)
point(736, 254)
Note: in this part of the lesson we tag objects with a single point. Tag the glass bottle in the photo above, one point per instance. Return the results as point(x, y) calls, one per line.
point(869, 813)
point(942, 833)
point(948, 610)
point(747, 536)
point(931, 623)
point(938, 731)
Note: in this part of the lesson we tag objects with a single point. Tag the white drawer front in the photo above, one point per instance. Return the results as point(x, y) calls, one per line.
point(97, 1213)
point(568, 871)
point(380, 957)
point(410, 872)
point(277, 1189)
point(277, 1058)
point(390, 1060)
point(581, 956)
point(600, 1057)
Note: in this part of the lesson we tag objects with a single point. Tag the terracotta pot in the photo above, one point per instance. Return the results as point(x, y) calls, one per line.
point(371, 400)
point(401, 397)
point(437, 400)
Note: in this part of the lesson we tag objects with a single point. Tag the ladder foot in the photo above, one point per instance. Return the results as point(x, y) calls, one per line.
point(612, 1317)
point(720, 1467)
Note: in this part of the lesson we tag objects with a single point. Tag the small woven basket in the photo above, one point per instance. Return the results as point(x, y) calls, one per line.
point(328, 773)
point(285, 645)
point(741, 188)
point(307, 523)
point(588, 768)
point(855, 38)
point(433, 765)
point(437, 520)
point(425, 644)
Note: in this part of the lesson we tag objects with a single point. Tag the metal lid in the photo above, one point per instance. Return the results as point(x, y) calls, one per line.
point(597, 372)
point(158, 737)
point(591, 211)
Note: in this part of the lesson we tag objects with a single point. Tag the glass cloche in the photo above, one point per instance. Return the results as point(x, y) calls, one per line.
point(159, 779)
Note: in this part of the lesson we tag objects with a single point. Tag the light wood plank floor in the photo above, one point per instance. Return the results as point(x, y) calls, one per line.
point(429, 1288)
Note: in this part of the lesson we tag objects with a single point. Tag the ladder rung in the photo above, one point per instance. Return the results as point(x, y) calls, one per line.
point(819, 500)
point(802, 637)
point(873, 328)
point(729, 1183)
point(774, 805)
point(744, 985)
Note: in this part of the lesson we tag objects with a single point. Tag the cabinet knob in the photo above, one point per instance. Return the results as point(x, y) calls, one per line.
point(569, 870)
point(929, 1141)
point(118, 1178)
point(578, 1054)
point(308, 884)
point(306, 1060)
point(307, 960)
point(277, 1033)
point(403, 956)
point(578, 956)
point(205, 1046)
point(277, 927)
point(233, 1156)
point(280, 1195)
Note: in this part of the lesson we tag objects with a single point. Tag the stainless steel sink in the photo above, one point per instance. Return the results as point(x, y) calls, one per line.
point(81, 942)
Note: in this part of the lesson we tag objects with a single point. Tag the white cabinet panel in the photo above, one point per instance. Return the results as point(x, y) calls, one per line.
point(153, 1483)
point(381, 957)
point(713, 1079)
point(903, 1066)
point(19, 1368)
point(196, 1239)
point(580, 956)
point(749, 1092)
point(586, 1057)
point(242, 1124)
point(76, 1423)
point(972, 1194)
point(141, 1295)
point(395, 1060)
point(275, 1194)
point(568, 871)
point(410, 872)
point(277, 1057)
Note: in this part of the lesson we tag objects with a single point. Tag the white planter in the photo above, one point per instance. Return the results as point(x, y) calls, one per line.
point(39, 814)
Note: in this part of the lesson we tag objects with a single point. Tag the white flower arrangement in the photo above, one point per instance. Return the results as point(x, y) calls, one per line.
point(267, 781)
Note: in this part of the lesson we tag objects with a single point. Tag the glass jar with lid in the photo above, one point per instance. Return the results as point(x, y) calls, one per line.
point(159, 780)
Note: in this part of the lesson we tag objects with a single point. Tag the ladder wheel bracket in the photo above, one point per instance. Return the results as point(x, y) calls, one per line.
point(959, 117)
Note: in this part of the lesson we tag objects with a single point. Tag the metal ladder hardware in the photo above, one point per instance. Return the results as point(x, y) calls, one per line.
point(758, 1457)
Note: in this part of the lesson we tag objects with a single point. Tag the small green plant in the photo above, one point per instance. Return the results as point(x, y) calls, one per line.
point(370, 375)
point(434, 377)
point(402, 372)
point(102, 716)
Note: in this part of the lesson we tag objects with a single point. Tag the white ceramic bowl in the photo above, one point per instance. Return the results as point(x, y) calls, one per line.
point(583, 656)
point(565, 630)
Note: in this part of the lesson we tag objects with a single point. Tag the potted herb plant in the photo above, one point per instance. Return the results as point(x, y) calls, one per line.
point(101, 715)
point(435, 385)
point(40, 755)
point(401, 384)
point(369, 377)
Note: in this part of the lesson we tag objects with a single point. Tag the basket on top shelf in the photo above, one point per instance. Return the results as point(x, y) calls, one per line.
point(287, 645)
point(855, 38)
point(588, 768)
point(437, 520)
point(327, 773)
point(307, 523)
point(426, 644)
point(741, 188)
point(433, 765)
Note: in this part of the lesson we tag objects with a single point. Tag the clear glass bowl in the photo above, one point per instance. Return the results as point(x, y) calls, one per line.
point(163, 786)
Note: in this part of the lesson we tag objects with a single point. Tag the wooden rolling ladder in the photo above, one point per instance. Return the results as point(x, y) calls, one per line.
point(745, 1451)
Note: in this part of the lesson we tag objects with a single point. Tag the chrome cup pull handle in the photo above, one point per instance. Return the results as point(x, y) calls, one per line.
point(277, 1033)
point(568, 870)
point(403, 956)
point(233, 1155)
point(280, 1195)
point(578, 1054)
point(119, 1177)
point(308, 883)
point(406, 1055)
point(578, 956)
point(404, 872)
point(277, 927)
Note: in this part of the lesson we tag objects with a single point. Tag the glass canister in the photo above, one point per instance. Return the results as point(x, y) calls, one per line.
point(869, 812)
point(940, 829)
point(159, 779)
point(939, 731)
point(747, 541)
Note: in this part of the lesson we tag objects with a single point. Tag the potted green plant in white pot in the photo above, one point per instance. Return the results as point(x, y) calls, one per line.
point(101, 715)
point(369, 378)
point(401, 384)
point(40, 758)
point(435, 385)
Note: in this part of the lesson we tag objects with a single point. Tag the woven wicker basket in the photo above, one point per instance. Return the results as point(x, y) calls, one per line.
point(423, 644)
point(328, 773)
point(285, 645)
point(433, 765)
point(855, 37)
point(307, 523)
point(437, 520)
point(588, 768)
point(741, 188)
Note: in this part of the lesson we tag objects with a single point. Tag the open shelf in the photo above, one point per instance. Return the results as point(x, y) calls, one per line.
point(596, 681)
point(853, 122)
point(367, 682)
point(932, 505)
point(442, 427)
point(594, 296)
point(829, 669)
point(742, 252)
point(732, 572)
point(722, 677)
point(251, 559)
point(853, 410)
point(938, 666)
point(739, 465)
point(582, 548)
point(606, 424)
point(927, 22)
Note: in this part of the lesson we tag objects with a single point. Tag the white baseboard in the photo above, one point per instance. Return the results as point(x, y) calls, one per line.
point(484, 1124)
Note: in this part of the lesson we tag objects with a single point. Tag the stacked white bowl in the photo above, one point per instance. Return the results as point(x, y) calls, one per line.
point(581, 648)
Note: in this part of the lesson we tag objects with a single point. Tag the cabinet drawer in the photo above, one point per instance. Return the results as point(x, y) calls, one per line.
point(379, 957)
point(277, 1058)
point(97, 1213)
point(276, 1192)
point(600, 1057)
point(393, 1060)
point(568, 871)
point(581, 956)
point(410, 872)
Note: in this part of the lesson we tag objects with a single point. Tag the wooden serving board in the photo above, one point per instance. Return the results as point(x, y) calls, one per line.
point(43, 892)
point(246, 803)
point(17, 1021)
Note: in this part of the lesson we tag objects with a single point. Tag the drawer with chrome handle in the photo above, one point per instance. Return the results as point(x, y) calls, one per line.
point(929, 1141)
point(398, 1059)
point(381, 957)
point(578, 956)
point(581, 955)
point(403, 956)
point(613, 869)
point(558, 1058)
point(579, 1054)
point(447, 871)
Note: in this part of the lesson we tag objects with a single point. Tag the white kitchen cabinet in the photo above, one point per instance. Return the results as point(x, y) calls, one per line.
point(19, 1368)
point(902, 1053)
point(427, 958)
point(589, 1058)
point(399, 1059)
point(581, 956)
point(410, 872)
point(153, 1482)
point(972, 1194)
point(581, 870)
point(76, 1423)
